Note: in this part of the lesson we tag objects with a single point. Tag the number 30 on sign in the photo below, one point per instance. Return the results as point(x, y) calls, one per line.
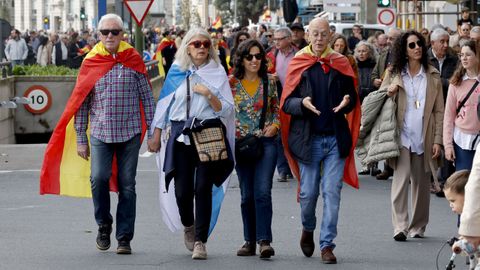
point(40, 99)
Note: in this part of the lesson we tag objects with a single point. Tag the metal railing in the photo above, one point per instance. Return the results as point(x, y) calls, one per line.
point(152, 69)
point(5, 69)
point(13, 102)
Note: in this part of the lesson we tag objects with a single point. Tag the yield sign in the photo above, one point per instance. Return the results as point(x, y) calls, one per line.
point(138, 9)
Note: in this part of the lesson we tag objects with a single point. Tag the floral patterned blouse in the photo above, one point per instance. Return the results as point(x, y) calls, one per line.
point(248, 109)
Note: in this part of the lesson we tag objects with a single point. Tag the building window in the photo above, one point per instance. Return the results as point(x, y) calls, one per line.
point(348, 17)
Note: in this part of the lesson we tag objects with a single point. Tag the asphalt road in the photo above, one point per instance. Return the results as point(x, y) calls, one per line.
point(53, 232)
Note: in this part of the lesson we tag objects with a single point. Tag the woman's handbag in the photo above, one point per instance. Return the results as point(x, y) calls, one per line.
point(209, 139)
point(208, 135)
point(250, 147)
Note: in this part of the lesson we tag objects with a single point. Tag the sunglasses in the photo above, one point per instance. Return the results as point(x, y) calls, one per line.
point(268, 35)
point(114, 32)
point(412, 46)
point(257, 56)
point(197, 44)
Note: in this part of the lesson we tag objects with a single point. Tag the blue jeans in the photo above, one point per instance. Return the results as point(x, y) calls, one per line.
point(255, 180)
point(463, 158)
point(101, 163)
point(325, 169)
point(282, 163)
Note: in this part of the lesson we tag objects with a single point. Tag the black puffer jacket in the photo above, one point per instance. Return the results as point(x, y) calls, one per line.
point(300, 133)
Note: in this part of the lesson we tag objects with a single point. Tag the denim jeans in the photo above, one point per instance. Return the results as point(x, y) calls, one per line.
point(101, 163)
point(255, 180)
point(325, 169)
point(463, 158)
point(282, 163)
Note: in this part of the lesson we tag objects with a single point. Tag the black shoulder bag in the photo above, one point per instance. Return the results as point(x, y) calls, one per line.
point(208, 135)
point(467, 96)
point(250, 147)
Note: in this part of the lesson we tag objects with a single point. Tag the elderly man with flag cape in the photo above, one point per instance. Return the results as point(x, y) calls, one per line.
point(320, 137)
point(113, 99)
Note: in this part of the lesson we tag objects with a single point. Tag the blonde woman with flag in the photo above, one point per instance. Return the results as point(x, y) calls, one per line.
point(113, 99)
point(196, 87)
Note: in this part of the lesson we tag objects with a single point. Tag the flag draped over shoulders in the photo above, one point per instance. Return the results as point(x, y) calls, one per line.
point(63, 171)
point(303, 60)
point(213, 74)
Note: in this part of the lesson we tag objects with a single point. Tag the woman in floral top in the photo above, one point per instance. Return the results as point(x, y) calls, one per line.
point(255, 175)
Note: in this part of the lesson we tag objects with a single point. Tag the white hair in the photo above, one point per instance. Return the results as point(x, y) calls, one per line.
point(183, 58)
point(372, 53)
point(285, 30)
point(438, 33)
point(110, 16)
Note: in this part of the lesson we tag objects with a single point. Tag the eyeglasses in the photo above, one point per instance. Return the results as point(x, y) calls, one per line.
point(268, 35)
point(197, 44)
point(114, 32)
point(279, 39)
point(241, 40)
point(412, 46)
point(257, 56)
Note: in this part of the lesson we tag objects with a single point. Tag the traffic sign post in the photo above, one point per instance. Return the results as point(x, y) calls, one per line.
point(40, 99)
point(386, 16)
point(138, 9)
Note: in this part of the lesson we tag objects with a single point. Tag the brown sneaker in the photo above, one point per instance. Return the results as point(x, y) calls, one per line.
point(248, 249)
point(328, 257)
point(307, 244)
point(189, 237)
point(266, 251)
point(199, 251)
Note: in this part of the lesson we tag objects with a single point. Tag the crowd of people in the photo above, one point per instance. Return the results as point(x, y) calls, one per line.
point(306, 104)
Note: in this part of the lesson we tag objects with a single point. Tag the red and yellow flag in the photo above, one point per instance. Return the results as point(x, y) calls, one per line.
point(217, 23)
point(63, 171)
point(301, 62)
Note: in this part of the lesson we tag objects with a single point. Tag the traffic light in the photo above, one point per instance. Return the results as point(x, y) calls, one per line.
point(384, 3)
point(46, 23)
point(82, 14)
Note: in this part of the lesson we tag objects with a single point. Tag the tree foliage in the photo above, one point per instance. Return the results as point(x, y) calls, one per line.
point(246, 9)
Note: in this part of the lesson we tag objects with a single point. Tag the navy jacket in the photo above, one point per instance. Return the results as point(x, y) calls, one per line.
point(300, 133)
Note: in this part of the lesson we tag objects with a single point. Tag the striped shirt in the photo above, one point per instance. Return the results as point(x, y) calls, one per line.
point(114, 107)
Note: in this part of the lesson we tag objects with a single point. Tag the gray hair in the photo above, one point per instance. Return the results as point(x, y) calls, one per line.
point(110, 16)
point(183, 58)
point(372, 54)
point(284, 30)
point(475, 29)
point(438, 33)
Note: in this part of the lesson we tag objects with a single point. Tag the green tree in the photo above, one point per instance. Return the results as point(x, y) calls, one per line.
point(246, 9)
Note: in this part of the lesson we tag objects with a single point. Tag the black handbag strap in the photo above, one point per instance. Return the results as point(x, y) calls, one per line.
point(188, 97)
point(466, 97)
point(265, 104)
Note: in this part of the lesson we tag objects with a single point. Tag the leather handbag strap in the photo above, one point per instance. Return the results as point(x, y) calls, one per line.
point(265, 103)
point(188, 97)
point(466, 97)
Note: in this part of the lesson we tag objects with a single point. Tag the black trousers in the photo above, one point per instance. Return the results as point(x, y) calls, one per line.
point(192, 182)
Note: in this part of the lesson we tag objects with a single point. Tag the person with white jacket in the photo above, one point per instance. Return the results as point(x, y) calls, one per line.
point(470, 218)
point(16, 50)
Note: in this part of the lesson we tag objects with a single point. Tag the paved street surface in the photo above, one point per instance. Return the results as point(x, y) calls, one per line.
point(53, 232)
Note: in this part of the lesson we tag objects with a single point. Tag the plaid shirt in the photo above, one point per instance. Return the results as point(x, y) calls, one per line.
point(114, 107)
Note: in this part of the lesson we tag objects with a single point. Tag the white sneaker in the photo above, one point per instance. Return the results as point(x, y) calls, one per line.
point(189, 237)
point(199, 251)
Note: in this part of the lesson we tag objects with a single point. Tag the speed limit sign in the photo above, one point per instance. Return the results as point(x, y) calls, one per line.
point(40, 99)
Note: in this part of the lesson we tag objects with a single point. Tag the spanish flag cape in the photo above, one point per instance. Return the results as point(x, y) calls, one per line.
point(63, 171)
point(165, 42)
point(303, 60)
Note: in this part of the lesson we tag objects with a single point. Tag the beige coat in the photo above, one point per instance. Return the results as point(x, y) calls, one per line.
point(470, 218)
point(433, 113)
